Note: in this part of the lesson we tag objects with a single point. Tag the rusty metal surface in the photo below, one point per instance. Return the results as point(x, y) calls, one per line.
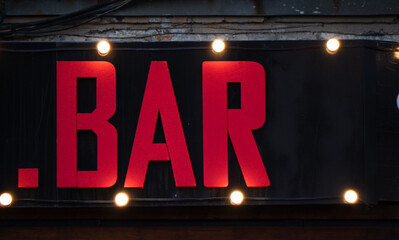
point(213, 7)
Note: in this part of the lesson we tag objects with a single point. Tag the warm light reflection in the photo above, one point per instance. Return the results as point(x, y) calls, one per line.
point(236, 198)
point(350, 196)
point(121, 199)
point(332, 45)
point(218, 46)
point(103, 47)
point(5, 199)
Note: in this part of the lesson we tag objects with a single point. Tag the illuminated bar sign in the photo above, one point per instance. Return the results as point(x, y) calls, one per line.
point(180, 124)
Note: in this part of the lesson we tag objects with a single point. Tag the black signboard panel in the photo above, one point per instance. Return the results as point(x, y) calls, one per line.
point(330, 121)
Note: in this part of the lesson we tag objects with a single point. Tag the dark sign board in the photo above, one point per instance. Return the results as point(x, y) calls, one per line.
point(177, 124)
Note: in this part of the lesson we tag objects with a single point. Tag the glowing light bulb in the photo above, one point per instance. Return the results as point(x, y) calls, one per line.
point(121, 199)
point(332, 45)
point(236, 198)
point(218, 46)
point(350, 196)
point(5, 199)
point(103, 47)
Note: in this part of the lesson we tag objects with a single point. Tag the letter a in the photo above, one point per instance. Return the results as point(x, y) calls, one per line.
point(159, 98)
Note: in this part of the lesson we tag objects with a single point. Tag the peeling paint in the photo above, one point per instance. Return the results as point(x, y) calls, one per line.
point(230, 28)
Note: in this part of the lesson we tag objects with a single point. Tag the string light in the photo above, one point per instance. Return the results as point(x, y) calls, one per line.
point(218, 46)
point(103, 47)
point(350, 196)
point(396, 53)
point(332, 45)
point(121, 199)
point(382, 48)
point(236, 197)
point(5, 199)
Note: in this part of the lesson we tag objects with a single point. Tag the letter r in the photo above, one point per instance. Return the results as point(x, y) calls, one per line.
point(220, 122)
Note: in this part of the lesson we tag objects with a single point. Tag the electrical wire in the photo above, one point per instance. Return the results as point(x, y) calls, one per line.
point(84, 16)
point(388, 47)
point(155, 200)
